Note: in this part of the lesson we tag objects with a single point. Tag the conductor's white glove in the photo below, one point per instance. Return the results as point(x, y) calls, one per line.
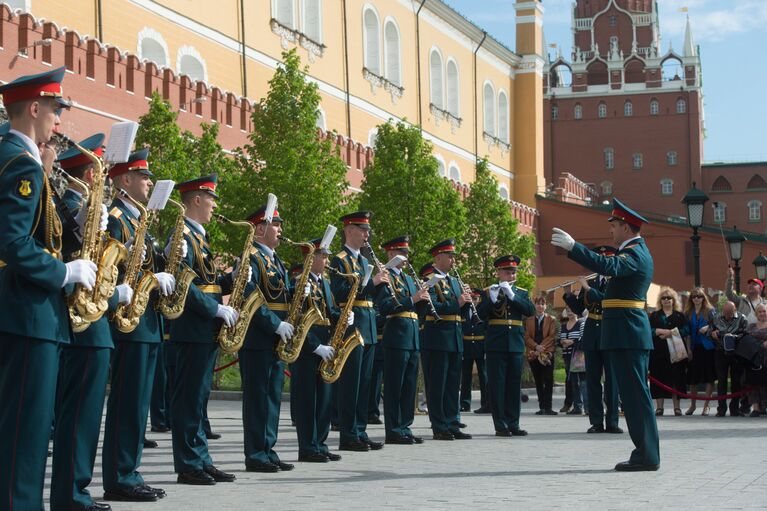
point(167, 283)
point(228, 314)
point(561, 239)
point(124, 294)
point(324, 352)
point(80, 271)
point(285, 330)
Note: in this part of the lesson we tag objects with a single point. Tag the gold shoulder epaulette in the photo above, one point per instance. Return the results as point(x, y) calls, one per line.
point(342, 254)
point(630, 246)
point(522, 289)
point(116, 212)
point(187, 230)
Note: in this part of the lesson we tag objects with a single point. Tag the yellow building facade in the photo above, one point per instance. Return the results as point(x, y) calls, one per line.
point(374, 60)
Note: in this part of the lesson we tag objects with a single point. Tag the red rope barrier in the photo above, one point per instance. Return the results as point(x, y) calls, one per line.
point(702, 397)
point(230, 364)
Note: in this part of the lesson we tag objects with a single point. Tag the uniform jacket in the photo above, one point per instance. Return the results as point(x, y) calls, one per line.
point(548, 342)
point(591, 301)
point(364, 317)
point(446, 334)
point(506, 338)
point(323, 299)
point(401, 327)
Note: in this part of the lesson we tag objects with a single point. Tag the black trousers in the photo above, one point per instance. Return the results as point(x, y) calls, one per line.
point(544, 383)
point(568, 388)
point(727, 365)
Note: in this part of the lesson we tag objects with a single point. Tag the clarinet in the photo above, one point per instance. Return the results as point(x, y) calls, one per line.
point(420, 286)
point(463, 287)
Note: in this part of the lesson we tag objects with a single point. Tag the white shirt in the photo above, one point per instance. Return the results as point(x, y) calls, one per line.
point(623, 245)
point(267, 250)
point(29, 144)
point(133, 209)
point(355, 253)
point(197, 225)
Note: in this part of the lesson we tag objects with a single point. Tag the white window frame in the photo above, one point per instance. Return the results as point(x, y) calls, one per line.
point(489, 117)
point(754, 210)
point(654, 107)
point(453, 166)
point(578, 111)
point(720, 212)
point(154, 35)
point(191, 51)
point(609, 158)
point(372, 135)
point(666, 187)
point(602, 110)
point(681, 106)
point(321, 121)
point(275, 12)
point(637, 161)
point(441, 167)
point(320, 34)
point(503, 117)
point(607, 187)
point(373, 67)
point(554, 112)
point(628, 109)
point(672, 158)
point(26, 8)
point(503, 192)
point(389, 21)
point(456, 111)
point(437, 78)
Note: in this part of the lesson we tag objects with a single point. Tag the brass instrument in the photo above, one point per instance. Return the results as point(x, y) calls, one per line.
point(231, 339)
point(341, 343)
point(380, 267)
point(126, 318)
point(420, 285)
point(172, 306)
point(570, 283)
point(86, 307)
point(466, 289)
point(289, 349)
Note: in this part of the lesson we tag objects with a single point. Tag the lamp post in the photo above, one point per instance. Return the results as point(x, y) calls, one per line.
point(735, 239)
point(760, 264)
point(695, 201)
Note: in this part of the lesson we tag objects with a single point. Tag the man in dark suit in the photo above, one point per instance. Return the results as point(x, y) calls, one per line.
point(626, 339)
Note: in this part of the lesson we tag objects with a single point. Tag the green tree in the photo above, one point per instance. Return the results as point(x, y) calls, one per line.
point(285, 157)
point(403, 189)
point(493, 232)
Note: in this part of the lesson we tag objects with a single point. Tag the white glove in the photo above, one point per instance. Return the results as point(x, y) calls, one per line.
point(285, 330)
point(167, 283)
point(228, 314)
point(184, 249)
point(494, 291)
point(124, 293)
point(350, 319)
point(236, 270)
point(561, 239)
point(307, 289)
point(129, 244)
point(81, 271)
point(506, 288)
point(324, 352)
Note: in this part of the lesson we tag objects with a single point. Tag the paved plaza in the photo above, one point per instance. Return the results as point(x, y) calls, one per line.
point(706, 463)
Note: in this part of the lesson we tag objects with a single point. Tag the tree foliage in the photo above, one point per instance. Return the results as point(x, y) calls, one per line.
point(403, 189)
point(493, 232)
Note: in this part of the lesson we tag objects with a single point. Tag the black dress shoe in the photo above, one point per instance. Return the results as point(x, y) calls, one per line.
point(157, 491)
point(285, 467)
point(257, 466)
point(374, 446)
point(483, 409)
point(315, 457)
point(150, 444)
point(627, 466)
point(333, 456)
point(596, 428)
point(212, 436)
point(416, 439)
point(374, 420)
point(460, 435)
point(400, 440)
point(354, 446)
point(461, 425)
point(219, 475)
point(196, 477)
point(443, 435)
point(614, 430)
point(160, 429)
point(720, 413)
point(503, 432)
point(549, 412)
point(133, 494)
point(94, 506)
point(518, 432)
point(539, 412)
point(466, 408)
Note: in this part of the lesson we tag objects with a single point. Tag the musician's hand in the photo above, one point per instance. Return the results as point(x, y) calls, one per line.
point(464, 299)
point(285, 330)
point(324, 352)
point(561, 239)
point(350, 319)
point(228, 314)
point(167, 283)
point(584, 283)
point(47, 156)
point(506, 288)
point(381, 277)
point(421, 295)
point(184, 249)
point(124, 294)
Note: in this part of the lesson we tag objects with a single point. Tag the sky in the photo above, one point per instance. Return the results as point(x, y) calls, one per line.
point(732, 40)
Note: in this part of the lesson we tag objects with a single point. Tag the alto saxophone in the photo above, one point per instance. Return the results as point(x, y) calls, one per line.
point(172, 306)
point(289, 349)
point(86, 307)
point(231, 339)
point(342, 344)
point(126, 318)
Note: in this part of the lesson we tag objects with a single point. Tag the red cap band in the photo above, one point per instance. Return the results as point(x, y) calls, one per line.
point(193, 187)
point(619, 214)
point(35, 91)
point(79, 159)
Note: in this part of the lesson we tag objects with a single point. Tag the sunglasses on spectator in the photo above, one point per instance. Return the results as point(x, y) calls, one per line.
point(696, 296)
point(666, 298)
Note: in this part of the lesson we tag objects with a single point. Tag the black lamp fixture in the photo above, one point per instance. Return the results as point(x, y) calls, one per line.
point(695, 201)
point(760, 264)
point(735, 239)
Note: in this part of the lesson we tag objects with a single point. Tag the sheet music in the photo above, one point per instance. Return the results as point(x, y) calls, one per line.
point(368, 272)
point(395, 261)
point(161, 194)
point(327, 238)
point(271, 206)
point(121, 138)
point(434, 280)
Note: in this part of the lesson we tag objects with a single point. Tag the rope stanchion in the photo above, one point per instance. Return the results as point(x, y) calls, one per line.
point(700, 397)
point(230, 364)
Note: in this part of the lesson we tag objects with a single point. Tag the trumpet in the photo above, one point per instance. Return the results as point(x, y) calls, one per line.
point(570, 283)
point(466, 289)
point(420, 285)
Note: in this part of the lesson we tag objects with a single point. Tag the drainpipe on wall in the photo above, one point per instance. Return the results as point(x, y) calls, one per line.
point(346, 76)
point(418, 61)
point(99, 26)
point(244, 56)
point(476, 113)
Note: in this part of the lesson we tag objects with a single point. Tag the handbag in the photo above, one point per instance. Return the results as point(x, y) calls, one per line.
point(676, 348)
point(578, 361)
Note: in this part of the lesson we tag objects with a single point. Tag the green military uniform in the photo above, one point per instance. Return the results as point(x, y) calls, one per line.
point(626, 339)
point(505, 349)
point(473, 353)
point(33, 315)
point(377, 373)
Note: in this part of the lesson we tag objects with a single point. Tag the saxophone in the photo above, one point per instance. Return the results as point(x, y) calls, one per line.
point(126, 318)
point(231, 339)
point(86, 307)
point(289, 349)
point(341, 343)
point(172, 306)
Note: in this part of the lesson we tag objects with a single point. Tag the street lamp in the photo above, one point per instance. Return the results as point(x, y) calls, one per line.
point(735, 239)
point(760, 263)
point(695, 201)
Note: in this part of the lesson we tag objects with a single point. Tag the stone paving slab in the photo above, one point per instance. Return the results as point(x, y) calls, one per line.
point(708, 463)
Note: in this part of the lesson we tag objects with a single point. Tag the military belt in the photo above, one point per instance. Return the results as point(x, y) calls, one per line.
point(616, 303)
point(277, 306)
point(446, 317)
point(379, 337)
point(360, 303)
point(473, 337)
point(210, 288)
point(505, 322)
point(408, 315)
point(595, 317)
point(166, 337)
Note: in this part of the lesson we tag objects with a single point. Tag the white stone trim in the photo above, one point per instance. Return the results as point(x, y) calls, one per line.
point(372, 134)
point(191, 51)
point(453, 165)
point(525, 6)
point(520, 20)
point(531, 64)
point(321, 116)
point(365, 58)
point(303, 20)
point(150, 33)
point(393, 21)
point(441, 161)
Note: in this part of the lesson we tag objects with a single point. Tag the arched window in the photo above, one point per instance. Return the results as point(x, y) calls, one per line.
point(681, 106)
point(455, 172)
point(152, 47)
point(391, 52)
point(189, 62)
point(637, 161)
point(372, 137)
point(503, 116)
point(488, 97)
point(609, 153)
point(756, 183)
point(578, 111)
point(372, 41)
point(312, 19)
point(721, 185)
point(720, 212)
point(607, 187)
point(320, 120)
point(628, 109)
point(554, 112)
point(654, 107)
point(453, 88)
point(602, 110)
point(282, 10)
point(672, 159)
point(754, 211)
point(441, 166)
point(666, 187)
point(437, 80)
point(503, 192)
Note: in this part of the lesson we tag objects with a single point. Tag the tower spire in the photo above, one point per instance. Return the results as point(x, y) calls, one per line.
point(689, 44)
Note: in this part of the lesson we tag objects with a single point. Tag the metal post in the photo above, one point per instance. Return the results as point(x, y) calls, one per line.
point(696, 255)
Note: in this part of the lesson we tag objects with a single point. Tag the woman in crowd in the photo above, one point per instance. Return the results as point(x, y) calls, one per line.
point(700, 348)
point(569, 336)
point(663, 320)
point(758, 330)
